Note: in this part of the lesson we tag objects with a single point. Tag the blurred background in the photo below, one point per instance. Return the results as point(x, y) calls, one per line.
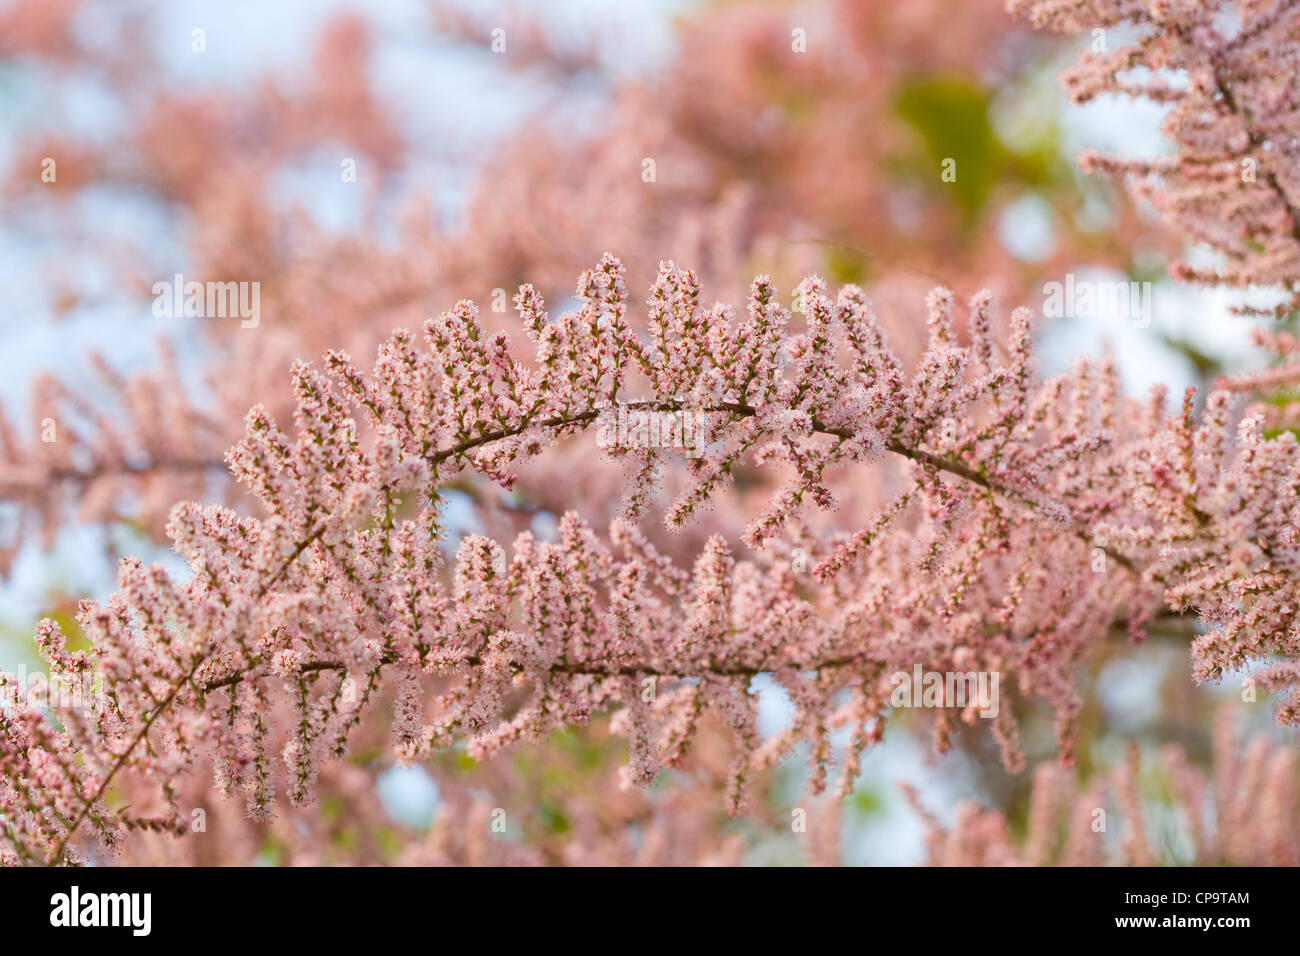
point(369, 163)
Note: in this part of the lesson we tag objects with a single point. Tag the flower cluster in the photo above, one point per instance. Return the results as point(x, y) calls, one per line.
point(1023, 521)
point(1225, 70)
